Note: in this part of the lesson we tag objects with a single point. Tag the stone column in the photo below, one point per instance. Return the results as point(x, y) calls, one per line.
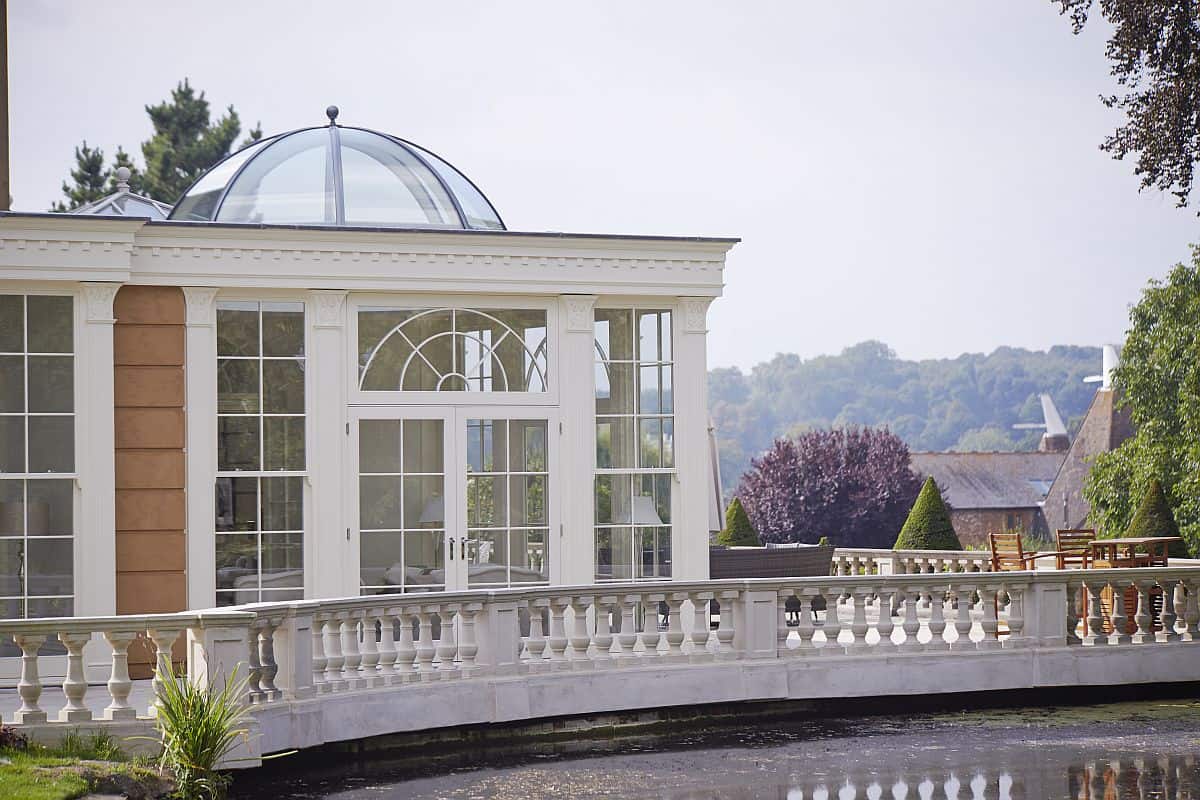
point(330, 554)
point(201, 419)
point(693, 477)
point(577, 445)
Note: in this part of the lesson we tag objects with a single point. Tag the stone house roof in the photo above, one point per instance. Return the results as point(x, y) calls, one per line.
point(991, 480)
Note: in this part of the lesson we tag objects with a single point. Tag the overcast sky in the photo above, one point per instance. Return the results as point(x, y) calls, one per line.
point(924, 173)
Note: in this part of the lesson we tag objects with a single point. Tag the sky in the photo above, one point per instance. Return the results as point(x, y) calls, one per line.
point(926, 174)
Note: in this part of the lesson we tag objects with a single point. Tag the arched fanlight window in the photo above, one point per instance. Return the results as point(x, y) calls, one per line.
point(452, 350)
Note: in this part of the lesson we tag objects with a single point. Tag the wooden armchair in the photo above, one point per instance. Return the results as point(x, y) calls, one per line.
point(1008, 555)
point(1074, 546)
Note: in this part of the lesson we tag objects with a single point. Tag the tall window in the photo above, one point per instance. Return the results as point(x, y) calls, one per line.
point(635, 452)
point(37, 456)
point(452, 350)
point(260, 452)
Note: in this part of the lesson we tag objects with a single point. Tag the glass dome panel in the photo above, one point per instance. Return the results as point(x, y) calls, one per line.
point(290, 183)
point(385, 184)
point(200, 202)
point(479, 212)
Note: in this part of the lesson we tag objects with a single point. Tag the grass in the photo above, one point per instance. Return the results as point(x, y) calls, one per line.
point(77, 766)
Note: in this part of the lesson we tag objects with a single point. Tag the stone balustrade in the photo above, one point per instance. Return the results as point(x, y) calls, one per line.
point(299, 655)
point(872, 561)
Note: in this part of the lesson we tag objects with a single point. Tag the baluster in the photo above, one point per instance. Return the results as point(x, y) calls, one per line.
point(989, 623)
point(858, 627)
point(627, 638)
point(700, 627)
point(1016, 616)
point(320, 686)
point(266, 657)
point(1191, 612)
point(536, 644)
point(833, 622)
point(937, 622)
point(805, 627)
point(1170, 597)
point(29, 687)
point(387, 648)
point(911, 624)
point(1095, 636)
point(962, 619)
point(468, 647)
point(164, 639)
point(1073, 613)
point(1120, 631)
point(605, 608)
point(119, 684)
point(371, 676)
point(650, 635)
point(351, 652)
point(333, 654)
point(1142, 617)
point(725, 627)
point(580, 641)
point(424, 646)
point(74, 684)
point(447, 646)
point(781, 626)
point(406, 650)
point(885, 625)
point(558, 634)
point(254, 667)
point(675, 626)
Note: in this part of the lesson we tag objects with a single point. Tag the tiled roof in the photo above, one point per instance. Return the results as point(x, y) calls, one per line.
point(991, 480)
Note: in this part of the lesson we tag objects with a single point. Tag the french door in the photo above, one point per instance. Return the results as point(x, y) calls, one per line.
point(450, 498)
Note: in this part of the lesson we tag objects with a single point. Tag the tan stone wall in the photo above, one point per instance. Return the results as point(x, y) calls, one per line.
point(974, 524)
point(148, 359)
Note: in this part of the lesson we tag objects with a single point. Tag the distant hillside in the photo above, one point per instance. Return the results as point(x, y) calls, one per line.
point(964, 403)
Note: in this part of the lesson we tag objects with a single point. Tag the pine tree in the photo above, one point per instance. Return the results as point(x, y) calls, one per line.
point(123, 159)
point(185, 144)
point(928, 526)
point(88, 179)
point(738, 532)
point(1154, 518)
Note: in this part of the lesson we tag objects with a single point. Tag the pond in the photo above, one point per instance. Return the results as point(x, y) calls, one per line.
point(1148, 749)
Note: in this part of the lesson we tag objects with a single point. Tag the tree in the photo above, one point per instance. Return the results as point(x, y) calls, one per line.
point(928, 526)
point(738, 532)
point(1154, 53)
point(1154, 518)
point(1159, 382)
point(853, 485)
point(89, 179)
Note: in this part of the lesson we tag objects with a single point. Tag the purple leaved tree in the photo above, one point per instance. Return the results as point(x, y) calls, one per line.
point(853, 485)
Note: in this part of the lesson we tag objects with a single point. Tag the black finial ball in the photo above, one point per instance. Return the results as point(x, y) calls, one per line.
point(332, 113)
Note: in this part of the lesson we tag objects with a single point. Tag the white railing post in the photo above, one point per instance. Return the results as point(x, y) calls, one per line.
point(725, 634)
point(266, 657)
point(580, 640)
point(886, 624)
point(675, 636)
point(535, 644)
point(1142, 617)
point(937, 622)
point(406, 650)
point(294, 649)
point(468, 645)
point(858, 625)
point(1016, 615)
point(372, 677)
point(447, 644)
point(164, 639)
point(754, 623)
point(911, 623)
point(217, 649)
point(119, 684)
point(498, 636)
point(1119, 633)
point(319, 661)
point(962, 619)
point(29, 688)
point(387, 647)
point(424, 644)
point(781, 625)
point(332, 634)
point(700, 626)
point(627, 638)
point(1170, 616)
point(558, 633)
point(74, 684)
point(990, 622)
point(651, 636)
point(351, 654)
point(605, 608)
point(833, 621)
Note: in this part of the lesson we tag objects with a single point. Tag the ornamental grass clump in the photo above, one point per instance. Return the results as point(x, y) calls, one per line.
point(198, 728)
point(928, 526)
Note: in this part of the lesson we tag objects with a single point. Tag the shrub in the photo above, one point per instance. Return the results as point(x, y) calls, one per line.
point(928, 526)
point(12, 739)
point(1154, 518)
point(738, 531)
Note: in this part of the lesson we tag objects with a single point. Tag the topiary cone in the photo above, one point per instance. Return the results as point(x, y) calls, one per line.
point(1154, 518)
point(928, 526)
point(738, 532)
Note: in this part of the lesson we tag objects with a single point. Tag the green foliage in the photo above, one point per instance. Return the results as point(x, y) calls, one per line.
point(928, 526)
point(970, 400)
point(738, 531)
point(89, 179)
point(1154, 518)
point(199, 727)
point(1159, 382)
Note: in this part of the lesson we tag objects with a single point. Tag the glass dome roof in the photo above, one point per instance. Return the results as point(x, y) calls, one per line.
point(337, 175)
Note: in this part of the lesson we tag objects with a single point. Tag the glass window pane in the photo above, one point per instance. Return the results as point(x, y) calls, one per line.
point(237, 329)
point(380, 560)
point(481, 444)
point(379, 502)
point(379, 445)
point(12, 444)
point(614, 555)
point(615, 443)
point(237, 386)
point(51, 384)
point(51, 508)
point(283, 329)
point(613, 499)
point(51, 444)
point(282, 561)
point(238, 443)
point(200, 203)
point(528, 451)
point(387, 185)
point(237, 565)
point(237, 504)
point(664, 328)
point(649, 391)
point(290, 183)
point(651, 455)
point(283, 443)
point(283, 387)
point(51, 324)
point(664, 552)
point(668, 443)
point(12, 567)
point(51, 607)
point(652, 503)
point(283, 504)
point(50, 566)
point(12, 508)
point(479, 211)
point(12, 384)
point(485, 501)
point(423, 446)
point(528, 506)
point(12, 323)
point(529, 563)
point(385, 358)
point(424, 559)
point(487, 558)
point(424, 505)
point(614, 389)
point(614, 334)
point(648, 339)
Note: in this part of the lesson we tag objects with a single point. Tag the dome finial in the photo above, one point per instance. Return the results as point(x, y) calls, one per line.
point(332, 113)
point(123, 175)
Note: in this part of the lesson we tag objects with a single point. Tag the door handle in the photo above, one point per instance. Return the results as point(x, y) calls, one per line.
point(451, 548)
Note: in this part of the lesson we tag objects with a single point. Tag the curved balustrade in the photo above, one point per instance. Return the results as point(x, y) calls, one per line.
point(872, 561)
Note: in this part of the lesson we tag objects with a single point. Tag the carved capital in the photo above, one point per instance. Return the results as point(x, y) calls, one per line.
point(579, 312)
point(328, 307)
point(98, 301)
point(201, 310)
point(695, 311)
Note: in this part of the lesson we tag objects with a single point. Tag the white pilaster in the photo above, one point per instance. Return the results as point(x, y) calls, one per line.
point(95, 529)
point(689, 545)
point(200, 409)
point(330, 557)
point(575, 549)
